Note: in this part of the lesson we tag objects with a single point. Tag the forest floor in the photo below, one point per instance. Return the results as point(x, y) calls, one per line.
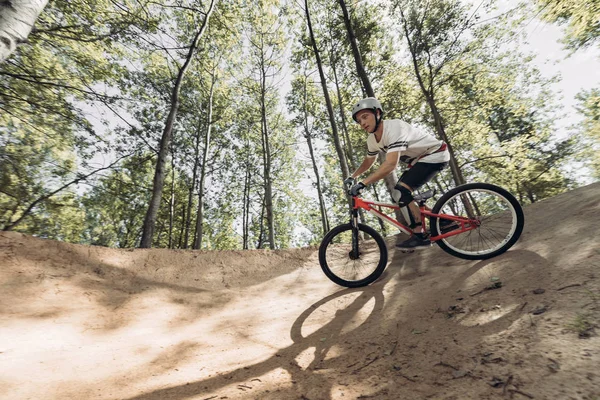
point(83, 322)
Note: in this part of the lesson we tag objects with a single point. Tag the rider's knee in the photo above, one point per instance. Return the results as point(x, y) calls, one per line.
point(406, 196)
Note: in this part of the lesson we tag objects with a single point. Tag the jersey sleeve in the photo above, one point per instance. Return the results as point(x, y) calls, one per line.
point(397, 141)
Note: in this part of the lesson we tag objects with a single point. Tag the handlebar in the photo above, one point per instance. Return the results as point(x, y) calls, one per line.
point(348, 186)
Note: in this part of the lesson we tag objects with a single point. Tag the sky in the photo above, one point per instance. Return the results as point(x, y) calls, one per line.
point(579, 71)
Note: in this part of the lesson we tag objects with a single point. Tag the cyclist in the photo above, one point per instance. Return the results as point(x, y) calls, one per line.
point(425, 156)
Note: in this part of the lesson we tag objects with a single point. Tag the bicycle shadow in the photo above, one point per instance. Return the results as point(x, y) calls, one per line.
point(481, 296)
point(351, 310)
point(492, 294)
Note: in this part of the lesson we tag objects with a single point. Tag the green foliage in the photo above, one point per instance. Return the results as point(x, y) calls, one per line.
point(589, 129)
point(116, 204)
point(496, 109)
point(94, 83)
point(581, 17)
point(31, 166)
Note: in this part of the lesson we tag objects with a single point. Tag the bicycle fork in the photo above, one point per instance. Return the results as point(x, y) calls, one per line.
point(354, 253)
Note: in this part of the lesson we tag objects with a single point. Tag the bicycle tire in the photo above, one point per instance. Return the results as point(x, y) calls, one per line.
point(340, 252)
point(511, 219)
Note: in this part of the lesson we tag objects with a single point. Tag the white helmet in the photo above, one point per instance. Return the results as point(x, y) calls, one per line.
point(369, 103)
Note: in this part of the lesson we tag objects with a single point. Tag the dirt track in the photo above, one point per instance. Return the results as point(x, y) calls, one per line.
point(79, 322)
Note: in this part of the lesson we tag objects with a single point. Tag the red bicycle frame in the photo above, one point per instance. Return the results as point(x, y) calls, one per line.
point(466, 224)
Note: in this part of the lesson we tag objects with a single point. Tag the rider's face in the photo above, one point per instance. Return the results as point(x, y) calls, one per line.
point(366, 119)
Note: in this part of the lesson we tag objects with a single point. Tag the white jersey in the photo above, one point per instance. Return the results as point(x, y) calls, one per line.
point(410, 141)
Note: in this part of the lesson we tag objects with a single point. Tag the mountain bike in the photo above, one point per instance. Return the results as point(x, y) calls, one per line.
point(475, 221)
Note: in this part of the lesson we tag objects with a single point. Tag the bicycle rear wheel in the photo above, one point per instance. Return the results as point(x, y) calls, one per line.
point(342, 267)
point(496, 213)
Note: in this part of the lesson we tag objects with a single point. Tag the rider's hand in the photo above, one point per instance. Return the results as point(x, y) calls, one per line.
point(349, 181)
point(356, 189)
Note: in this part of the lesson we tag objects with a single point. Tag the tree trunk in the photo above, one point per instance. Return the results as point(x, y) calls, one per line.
point(200, 215)
point(172, 202)
point(159, 174)
point(360, 68)
point(188, 218)
point(261, 233)
point(246, 208)
point(334, 132)
point(17, 18)
point(184, 214)
point(437, 118)
point(347, 141)
point(322, 208)
point(266, 153)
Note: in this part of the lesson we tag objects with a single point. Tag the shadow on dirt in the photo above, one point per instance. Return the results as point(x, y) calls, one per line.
point(347, 306)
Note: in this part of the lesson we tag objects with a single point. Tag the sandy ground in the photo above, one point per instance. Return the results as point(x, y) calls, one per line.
point(80, 322)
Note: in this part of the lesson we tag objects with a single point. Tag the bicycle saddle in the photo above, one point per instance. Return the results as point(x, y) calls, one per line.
point(425, 195)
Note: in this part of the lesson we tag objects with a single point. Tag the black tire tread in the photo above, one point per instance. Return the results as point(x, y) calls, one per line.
point(486, 186)
point(372, 277)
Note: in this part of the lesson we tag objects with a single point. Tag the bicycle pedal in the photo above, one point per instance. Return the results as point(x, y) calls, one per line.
point(407, 251)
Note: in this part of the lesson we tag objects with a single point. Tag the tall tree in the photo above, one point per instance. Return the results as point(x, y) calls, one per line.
point(203, 164)
point(302, 102)
point(334, 131)
point(392, 178)
point(360, 68)
point(267, 42)
point(159, 176)
point(433, 34)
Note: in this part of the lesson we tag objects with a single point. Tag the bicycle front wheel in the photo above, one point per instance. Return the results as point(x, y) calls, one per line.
point(496, 213)
point(344, 266)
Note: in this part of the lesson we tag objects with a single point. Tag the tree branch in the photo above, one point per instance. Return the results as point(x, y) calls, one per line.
point(11, 225)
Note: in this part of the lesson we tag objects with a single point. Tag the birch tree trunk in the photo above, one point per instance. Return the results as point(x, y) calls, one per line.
point(17, 18)
point(159, 174)
point(205, 151)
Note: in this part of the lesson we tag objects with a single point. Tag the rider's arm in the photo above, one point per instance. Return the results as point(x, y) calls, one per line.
point(366, 164)
point(390, 163)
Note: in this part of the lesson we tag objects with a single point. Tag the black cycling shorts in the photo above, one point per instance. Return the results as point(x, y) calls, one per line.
point(421, 173)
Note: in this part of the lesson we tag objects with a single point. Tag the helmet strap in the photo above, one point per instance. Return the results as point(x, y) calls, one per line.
point(377, 120)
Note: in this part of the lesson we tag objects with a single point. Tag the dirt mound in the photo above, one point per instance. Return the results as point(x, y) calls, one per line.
point(81, 322)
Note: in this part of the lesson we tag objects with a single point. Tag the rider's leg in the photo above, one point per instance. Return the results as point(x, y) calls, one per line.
point(410, 180)
point(409, 207)
point(413, 179)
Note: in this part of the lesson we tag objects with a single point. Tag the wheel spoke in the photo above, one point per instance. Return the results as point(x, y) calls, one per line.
point(336, 257)
point(497, 221)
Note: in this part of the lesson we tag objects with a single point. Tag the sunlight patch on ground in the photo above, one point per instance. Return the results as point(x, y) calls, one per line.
point(477, 317)
point(306, 357)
